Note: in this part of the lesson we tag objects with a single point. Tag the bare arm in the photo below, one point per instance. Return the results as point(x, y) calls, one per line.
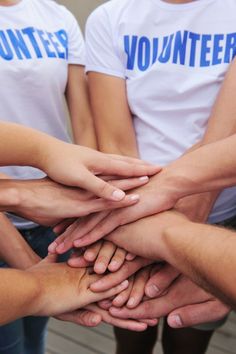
point(14, 250)
point(67, 163)
point(79, 107)
point(207, 255)
point(199, 171)
point(221, 124)
point(204, 253)
point(113, 120)
point(33, 292)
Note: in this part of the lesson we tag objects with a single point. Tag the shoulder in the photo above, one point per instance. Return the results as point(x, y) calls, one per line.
point(109, 11)
point(55, 9)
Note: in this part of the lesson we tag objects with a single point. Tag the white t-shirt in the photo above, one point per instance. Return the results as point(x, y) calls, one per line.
point(174, 58)
point(38, 40)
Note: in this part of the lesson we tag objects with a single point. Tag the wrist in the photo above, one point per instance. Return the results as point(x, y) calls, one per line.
point(171, 239)
point(169, 185)
point(10, 196)
point(27, 260)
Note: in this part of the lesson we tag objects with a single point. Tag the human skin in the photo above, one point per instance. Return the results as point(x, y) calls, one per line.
point(72, 165)
point(170, 193)
point(33, 291)
point(192, 248)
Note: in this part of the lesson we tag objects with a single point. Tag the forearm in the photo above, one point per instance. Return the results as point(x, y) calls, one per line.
point(195, 172)
point(24, 146)
point(112, 117)
point(207, 255)
point(77, 98)
point(14, 250)
point(20, 294)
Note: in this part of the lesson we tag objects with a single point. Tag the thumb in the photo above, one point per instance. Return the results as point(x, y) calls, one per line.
point(193, 315)
point(51, 258)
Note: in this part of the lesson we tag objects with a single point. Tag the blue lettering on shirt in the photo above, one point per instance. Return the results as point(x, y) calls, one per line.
point(182, 48)
point(30, 43)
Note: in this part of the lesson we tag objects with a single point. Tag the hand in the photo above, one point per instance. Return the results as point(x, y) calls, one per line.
point(78, 166)
point(102, 256)
point(182, 294)
point(161, 278)
point(97, 227)
point(63, 289)
point(145, 236)
point(129, 268)
point(93, 315)
point(68, 228)
point(133, 295)
point(46, 202)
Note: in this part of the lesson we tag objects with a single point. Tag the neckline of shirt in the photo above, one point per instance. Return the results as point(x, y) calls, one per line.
point(13, 8)
point(179, 7)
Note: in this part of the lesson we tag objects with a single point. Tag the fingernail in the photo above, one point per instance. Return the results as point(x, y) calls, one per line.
point(89, 256)
point(77, 243)
point(118, 300)
point(118, 195)
point(52, 247)
point(175, 321)
point(134, 197)
point(152, 290)
point(60, 247)
point(131, 302)
point(98, 284)
point(144, 178)
point(95, 319)
point(100, 268)
point(124, 284)
point(113, 265)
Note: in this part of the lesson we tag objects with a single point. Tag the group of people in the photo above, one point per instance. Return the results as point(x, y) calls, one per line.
point(123, 234)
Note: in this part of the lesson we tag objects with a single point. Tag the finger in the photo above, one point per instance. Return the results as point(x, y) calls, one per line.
point(121, 299)
point(78, 229)
point(82, 317)
point(160, 281)
point(130, 257)
point(105, 255)
point(98, 186)
point(129, 183)
point(138, 289)
point(96, 205)
point(92, 251)
point(88, 223)
point(117, 260)
point(127, 167)
point(150, 322)
point(62, 226)
point(51, 258)
point(144, 310)
point(79, 262)
point(103, 228)
point(105, 304)
point(112, 279)
point(126, 324)
point(109, 293)
point(58, 246)
point(196, 314)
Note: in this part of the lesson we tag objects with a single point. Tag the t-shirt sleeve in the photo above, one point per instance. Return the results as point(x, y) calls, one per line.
point(101, 51)
point(76, 46)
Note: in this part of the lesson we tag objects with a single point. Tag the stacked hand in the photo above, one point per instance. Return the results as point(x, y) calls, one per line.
point(155, 289)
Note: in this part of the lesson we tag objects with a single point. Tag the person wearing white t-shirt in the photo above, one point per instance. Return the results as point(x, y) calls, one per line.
point(41, 64)
point(158, 66)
